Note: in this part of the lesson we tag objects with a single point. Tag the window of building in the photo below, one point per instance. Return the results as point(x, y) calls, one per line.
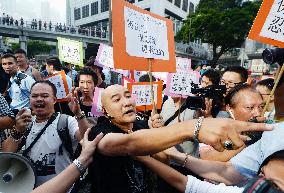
point(104, 5)
point(185, 5)
point(85, 11)
point(191, 7)
point(95, 8)
point(77, 13)
point(177, 3)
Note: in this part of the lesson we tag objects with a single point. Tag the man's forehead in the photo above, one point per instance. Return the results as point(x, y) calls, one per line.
point(115, 90)
point(41, 88)
point(231, 76)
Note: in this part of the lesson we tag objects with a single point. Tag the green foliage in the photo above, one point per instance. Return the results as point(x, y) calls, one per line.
point(222, 23)
point(35, 47)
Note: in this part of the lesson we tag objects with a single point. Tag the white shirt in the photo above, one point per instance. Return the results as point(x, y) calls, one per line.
point(195, 185)
point(44, 155)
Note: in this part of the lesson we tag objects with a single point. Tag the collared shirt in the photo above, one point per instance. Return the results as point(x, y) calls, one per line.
point(20, 92)
point(248, 161)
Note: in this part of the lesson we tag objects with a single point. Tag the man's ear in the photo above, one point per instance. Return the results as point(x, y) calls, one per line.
point(54, 100)
point(272, 98)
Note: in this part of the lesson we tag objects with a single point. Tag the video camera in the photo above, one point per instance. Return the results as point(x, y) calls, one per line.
point(261, 185)
point(271, 56)
point(215, 92)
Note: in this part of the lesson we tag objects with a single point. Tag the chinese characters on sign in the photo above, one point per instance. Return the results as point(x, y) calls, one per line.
point(274, 24)
point(183, 63)
point(142, 39)
point(179, 83)
point(105, 56)
point(60, 82)
point(70, 51)
point(143, 93)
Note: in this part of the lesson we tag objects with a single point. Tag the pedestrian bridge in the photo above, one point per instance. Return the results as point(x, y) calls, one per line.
point(92, 35)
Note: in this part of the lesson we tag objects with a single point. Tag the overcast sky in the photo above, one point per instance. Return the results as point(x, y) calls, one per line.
point(29, 9)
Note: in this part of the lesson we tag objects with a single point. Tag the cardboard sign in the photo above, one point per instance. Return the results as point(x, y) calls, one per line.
point(183, 63)
point(105, 56)
point(60, 82)
point(179, 83)
point(70, 51)
point(268, 26)
point(142, 92)
point(139, 35)
point(97, 102)
point(105, 59)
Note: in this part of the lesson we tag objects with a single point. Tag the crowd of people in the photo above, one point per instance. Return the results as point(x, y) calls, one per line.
point(94, 31)
point(228, 145)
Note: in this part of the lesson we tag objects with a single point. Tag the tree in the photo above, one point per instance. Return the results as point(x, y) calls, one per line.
point(35, 47)
point(224, 24)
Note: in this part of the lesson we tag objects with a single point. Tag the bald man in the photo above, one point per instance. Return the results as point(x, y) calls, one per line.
point(114, 170)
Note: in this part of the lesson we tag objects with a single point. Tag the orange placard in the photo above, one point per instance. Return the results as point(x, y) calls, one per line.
point(268, 27)
point(141, 92)
point(60, 82)
point(122, 59)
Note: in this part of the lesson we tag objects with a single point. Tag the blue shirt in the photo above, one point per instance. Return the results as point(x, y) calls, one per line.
point(248, 161)
point(20, 93)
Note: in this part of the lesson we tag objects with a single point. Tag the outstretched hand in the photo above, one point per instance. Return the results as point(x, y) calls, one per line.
point(88, 148)
point(216, 131)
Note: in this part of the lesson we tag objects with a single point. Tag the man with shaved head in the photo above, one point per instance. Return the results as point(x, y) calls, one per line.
point(114, 170)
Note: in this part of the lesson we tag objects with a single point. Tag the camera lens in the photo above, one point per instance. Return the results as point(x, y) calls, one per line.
point(267, 56)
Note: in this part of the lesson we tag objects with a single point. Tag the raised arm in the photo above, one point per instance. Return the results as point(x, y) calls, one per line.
point(213, 170)
point(63, 182)
point(144, 142)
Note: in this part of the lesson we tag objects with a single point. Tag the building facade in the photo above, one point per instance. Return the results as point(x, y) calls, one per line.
point(95, 13)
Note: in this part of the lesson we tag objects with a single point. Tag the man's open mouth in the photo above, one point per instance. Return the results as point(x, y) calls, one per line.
point(129, 111)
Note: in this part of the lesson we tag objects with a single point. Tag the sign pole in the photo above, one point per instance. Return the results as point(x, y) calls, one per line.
point(150, 60)
point(273, 90)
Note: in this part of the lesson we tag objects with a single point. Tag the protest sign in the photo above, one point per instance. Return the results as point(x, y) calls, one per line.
point(105, 59)
point(60, 82)
point(183, 63)
point(105, 56)
point(135, 39)
point(179, 83)
point(142, 92)
point(97, 103)
point(268, 26)
point(70, 51)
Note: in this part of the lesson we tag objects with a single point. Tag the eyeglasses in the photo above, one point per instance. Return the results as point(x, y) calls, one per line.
point(229, 83)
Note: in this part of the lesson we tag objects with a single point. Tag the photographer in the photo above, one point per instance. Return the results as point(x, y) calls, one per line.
point(212, 98)
point(232, 76)
point(264, 87)
point(243, 103)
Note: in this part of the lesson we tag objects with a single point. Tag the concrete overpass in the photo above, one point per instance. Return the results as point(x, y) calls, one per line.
point(29, 30)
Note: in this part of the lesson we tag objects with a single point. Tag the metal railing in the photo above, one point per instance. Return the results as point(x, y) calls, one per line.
point(96, 32)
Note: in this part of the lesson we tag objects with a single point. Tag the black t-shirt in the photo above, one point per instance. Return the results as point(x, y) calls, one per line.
point(117, 174)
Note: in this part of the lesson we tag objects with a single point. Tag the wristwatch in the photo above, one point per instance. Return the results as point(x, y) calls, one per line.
point(80, 166)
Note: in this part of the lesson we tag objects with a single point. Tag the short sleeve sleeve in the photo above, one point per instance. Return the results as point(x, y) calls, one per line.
point(247, 162)
point(73, 127)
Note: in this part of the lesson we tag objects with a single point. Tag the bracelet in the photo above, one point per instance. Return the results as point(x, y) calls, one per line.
point(197, 128)
point(15, 135)
point(80, 117)
point(80, 166)
point(185, 160)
